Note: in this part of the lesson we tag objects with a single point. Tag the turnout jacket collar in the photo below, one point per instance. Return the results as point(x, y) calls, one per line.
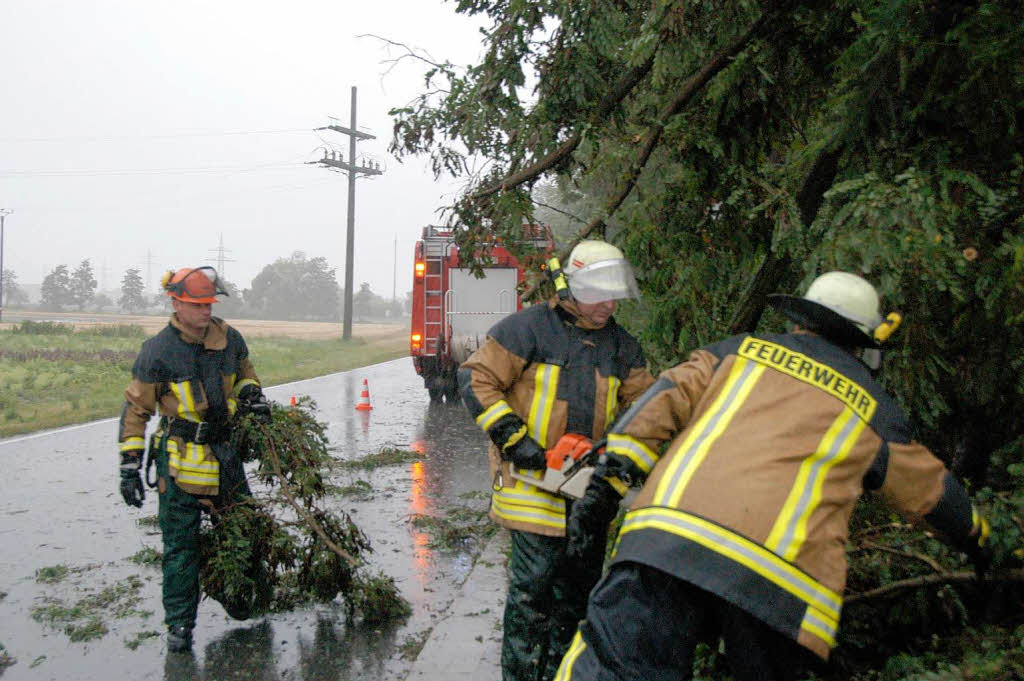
point(216, 337)
point(569, 311)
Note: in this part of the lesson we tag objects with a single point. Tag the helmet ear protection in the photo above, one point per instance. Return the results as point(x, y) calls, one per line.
point(557, 276)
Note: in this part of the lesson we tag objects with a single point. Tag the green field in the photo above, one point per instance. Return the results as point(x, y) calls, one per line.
point(53, 375)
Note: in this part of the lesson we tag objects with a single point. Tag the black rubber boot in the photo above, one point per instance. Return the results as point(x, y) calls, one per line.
point(179, 639)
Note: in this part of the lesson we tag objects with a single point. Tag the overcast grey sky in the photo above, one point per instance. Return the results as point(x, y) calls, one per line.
point(142, 130)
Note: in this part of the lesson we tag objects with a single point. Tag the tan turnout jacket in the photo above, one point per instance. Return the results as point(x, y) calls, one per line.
point(755, 452)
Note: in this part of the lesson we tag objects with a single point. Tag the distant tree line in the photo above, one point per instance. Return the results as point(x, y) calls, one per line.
point(292, 288)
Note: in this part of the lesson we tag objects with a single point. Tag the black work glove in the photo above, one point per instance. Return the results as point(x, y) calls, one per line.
point(526, 453)
point(590, 516)
point(131, 478)
point(252, 401)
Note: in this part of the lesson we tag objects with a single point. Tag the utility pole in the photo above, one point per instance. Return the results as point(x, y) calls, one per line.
point(4, 212)
point(337, 160)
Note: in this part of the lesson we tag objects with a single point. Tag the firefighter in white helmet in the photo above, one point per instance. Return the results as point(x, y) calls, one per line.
point(553, 371)
point(754, 453)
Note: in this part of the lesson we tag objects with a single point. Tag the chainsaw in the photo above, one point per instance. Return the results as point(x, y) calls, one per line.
point(570, 465)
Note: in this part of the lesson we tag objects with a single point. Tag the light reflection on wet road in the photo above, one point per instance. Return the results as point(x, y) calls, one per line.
point(59, 505)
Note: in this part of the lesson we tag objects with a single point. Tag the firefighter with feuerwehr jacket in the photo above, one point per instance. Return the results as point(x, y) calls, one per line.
point(754, 453)
point(196, 373)
point(561, 368)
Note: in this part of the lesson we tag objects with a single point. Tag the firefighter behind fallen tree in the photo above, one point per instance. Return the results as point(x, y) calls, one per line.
point(563, 368)
point(742, 523)
point(196, 372)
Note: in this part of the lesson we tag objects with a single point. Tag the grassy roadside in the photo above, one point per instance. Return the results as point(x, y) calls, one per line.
point(55, 375)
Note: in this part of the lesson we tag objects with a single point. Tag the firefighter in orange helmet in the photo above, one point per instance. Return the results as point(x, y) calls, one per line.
point(197, 375)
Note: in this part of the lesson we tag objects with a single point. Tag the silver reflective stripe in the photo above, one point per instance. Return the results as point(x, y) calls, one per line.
point(741, 379)
point(635, 451)
point(525, 498)
point(819, 626)
point(488, 416)
point(790, 529)
point(745, 552)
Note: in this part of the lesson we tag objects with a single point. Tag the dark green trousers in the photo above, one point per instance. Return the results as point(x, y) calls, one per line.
point(547, 598)
point(180, 516)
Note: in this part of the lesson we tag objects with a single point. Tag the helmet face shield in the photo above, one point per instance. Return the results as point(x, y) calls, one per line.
point(198, 285)
point(603, 281)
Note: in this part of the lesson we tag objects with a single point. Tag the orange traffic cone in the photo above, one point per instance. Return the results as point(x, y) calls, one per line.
point(293, 401)
point(364, 398)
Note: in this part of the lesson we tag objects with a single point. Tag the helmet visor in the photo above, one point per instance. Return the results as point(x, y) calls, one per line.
point(603, 281)
point(199, 285)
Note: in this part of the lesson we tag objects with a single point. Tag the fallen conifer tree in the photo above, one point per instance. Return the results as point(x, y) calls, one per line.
point(277, 549)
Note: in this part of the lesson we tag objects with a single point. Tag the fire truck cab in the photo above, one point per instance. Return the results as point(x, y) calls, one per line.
point(452, 309)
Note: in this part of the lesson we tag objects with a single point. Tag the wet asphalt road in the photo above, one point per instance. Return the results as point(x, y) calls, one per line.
point(59, 505)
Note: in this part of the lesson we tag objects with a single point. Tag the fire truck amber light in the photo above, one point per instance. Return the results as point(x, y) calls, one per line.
point(416, 338)
point(420, 268)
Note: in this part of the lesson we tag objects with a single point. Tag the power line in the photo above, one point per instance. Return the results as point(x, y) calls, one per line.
point(117, 138)
point(144, 171)
point(205, 198)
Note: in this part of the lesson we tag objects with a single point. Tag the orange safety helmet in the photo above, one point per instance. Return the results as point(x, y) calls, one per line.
point(193, 284)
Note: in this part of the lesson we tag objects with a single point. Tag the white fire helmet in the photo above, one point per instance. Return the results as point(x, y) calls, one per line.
point(845, 309)
point(598, 272)
point(848, 296)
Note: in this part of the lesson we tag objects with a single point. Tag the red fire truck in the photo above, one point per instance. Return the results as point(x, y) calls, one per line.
point(452, 310)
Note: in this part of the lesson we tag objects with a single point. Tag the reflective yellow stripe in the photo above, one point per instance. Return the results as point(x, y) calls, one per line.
point(711, 425)
point(516, 437)
point(533, 515)
point(790, 530)
point(632, 449)
point(979, 526)
point(241, 384)
point(825, 603)
point(576, 649)
point(488, 416)
point(131, 443)
point(617, 485)
point(232, 406)
point(611, 406)
point(817, 623)
point(194, 467)
point(544, 391)
point(186, 400)
point(523, 494)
